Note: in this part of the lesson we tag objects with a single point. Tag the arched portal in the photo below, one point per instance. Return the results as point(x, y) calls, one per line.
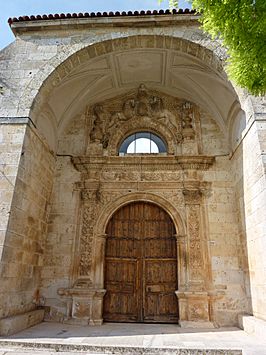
point(141, 265)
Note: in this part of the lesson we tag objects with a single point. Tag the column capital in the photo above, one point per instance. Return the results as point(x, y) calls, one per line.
point(180, 238)
point(101, 236)
point(192, 196)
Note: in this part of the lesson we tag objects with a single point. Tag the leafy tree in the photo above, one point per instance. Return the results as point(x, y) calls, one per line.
point(241, 25)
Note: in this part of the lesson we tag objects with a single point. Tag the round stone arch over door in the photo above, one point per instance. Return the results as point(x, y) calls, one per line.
point(140, 265)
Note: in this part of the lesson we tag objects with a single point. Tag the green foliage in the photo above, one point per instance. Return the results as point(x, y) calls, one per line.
point(173, 4)
point(241, 25)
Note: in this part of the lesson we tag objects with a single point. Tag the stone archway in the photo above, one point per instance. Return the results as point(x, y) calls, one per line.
point(60, 72)
point(140, 265)
point(108, 181)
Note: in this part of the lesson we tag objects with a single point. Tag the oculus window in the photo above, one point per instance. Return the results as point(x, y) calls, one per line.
point(142, 143)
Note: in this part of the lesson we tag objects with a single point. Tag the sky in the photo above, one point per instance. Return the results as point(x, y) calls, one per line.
point(15, 8)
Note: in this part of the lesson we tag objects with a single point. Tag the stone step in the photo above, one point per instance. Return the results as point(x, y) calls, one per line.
point(14, 346)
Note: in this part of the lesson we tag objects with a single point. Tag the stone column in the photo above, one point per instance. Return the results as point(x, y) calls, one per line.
point(194, 299)
point(196, 272)
point(98, 263)
point(98, 280)
point(181, 261)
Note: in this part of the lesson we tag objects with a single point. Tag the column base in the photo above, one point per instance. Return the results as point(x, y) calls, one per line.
point(194, 309)
point(85, 305)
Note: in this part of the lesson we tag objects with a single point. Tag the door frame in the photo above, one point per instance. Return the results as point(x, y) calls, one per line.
point(107, 213)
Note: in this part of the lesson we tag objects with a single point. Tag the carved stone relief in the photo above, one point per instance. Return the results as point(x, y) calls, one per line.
point(195, 244)
point(86, 241)
point(93, 201)
point(145, 109)
point(187, 121)
point(197, 270)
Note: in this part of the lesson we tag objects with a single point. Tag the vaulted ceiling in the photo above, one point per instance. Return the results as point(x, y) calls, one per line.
point(176, 73)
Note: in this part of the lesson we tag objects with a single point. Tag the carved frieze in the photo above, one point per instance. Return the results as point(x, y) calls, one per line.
point(86, 241)
point(193, 200)
point(93, 201)
point(195, 244)
point(129, 168)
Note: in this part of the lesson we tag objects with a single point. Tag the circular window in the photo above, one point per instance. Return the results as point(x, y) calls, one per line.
point(142, 143)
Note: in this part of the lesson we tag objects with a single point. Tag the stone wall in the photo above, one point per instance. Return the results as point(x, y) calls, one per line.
point(248, 166)
point(227, 248)
point(11, 140)
point(255, 206)
point(22, 252)
point(63, 224)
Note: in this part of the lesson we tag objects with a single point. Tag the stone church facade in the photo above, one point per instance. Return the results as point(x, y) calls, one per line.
point(90, 232)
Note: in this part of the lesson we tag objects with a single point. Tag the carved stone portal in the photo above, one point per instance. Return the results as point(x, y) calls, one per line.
point(108, 183)
point(172, 181)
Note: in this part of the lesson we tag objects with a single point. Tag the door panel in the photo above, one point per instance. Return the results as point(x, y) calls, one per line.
point(121, 300)
point(141, 266)
point(160, 287)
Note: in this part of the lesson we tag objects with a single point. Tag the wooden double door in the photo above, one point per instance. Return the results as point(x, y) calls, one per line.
point(141, 266)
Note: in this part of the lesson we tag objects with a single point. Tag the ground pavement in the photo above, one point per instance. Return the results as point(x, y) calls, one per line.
point(129, 339)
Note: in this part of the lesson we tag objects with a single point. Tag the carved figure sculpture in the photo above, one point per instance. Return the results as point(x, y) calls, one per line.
point(143, 104)
point(129, 108)
point(188, 131)
point(100, 120)
point(157, 105)
point(98, 124)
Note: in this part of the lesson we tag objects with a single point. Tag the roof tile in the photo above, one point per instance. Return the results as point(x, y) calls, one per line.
point(100, 14)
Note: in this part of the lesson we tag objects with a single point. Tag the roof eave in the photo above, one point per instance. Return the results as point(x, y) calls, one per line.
point(20, 26)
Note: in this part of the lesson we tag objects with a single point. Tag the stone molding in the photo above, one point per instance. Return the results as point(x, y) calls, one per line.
point(85, 163)
point(15, 120)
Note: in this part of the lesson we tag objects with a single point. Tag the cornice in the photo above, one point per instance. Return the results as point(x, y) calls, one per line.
point(51, 22)
point(85, 163)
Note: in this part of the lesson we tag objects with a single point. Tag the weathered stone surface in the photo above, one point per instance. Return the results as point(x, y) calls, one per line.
point(15, 324)
point(252, 325)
